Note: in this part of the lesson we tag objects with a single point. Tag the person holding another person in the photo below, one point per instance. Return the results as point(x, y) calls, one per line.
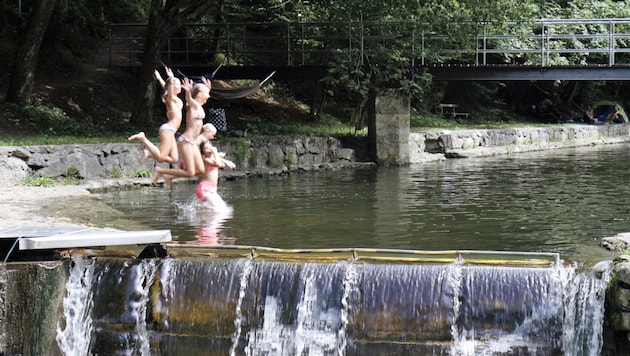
point(167, 150)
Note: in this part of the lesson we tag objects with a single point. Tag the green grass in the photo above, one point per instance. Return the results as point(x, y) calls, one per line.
point(30, 140)
point(268, 131)
point(32, 180)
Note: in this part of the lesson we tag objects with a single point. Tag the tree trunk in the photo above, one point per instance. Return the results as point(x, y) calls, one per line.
point(165, 17)
point(23, 71)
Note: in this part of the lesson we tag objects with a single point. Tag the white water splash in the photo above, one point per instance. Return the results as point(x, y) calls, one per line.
point(464, 341)
point(314, 332)
point(272, 339)
point(166, 279)
point(75, 332)
point(137, 301)
point(238, 319)
point(350, 287)
point(583, 313)
point(573, 300)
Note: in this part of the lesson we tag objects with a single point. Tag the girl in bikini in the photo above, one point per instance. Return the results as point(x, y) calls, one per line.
point(196, 96)
point(167, 149)
point(209, 180)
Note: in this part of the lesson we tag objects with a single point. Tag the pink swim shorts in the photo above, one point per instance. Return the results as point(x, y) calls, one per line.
point(205, 188)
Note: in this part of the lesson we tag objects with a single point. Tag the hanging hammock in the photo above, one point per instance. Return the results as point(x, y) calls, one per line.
point(229, 93)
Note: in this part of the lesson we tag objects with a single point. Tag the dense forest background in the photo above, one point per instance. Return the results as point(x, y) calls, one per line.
point(55, 78)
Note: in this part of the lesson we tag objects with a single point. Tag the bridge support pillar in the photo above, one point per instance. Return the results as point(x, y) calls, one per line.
point(388, 127)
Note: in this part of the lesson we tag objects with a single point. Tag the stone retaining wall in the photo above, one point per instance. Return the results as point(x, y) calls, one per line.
point(118, 160)
point(436, 145)
point(123, 160)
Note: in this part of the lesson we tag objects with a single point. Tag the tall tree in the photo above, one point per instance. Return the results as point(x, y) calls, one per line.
point(165, 18)
point(23, 72)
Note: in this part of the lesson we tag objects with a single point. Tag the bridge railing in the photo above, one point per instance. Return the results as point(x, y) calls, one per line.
point(551, 42)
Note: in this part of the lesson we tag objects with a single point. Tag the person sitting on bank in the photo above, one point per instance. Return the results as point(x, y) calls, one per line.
point(615, 116)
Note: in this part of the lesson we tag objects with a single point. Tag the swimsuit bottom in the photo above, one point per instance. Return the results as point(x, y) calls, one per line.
point(205, 188)
point(167, 127)
point(183, 138)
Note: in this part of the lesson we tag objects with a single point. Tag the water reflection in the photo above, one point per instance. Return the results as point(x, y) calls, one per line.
point(209, 222)
point(556, 201)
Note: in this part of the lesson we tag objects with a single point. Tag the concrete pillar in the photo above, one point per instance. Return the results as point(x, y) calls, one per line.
point(388, 127)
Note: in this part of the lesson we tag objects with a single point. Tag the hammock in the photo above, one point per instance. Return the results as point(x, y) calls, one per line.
point(238, 92)
point(229, 93)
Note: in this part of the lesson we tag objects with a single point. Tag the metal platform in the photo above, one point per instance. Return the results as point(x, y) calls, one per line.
point(42, 238)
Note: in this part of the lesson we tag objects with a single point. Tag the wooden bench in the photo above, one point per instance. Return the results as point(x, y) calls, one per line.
point(451, 110)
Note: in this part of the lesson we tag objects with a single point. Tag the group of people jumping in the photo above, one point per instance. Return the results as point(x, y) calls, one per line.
point(199, 158)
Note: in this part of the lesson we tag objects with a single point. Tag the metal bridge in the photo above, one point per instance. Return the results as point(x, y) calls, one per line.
point(567, 49)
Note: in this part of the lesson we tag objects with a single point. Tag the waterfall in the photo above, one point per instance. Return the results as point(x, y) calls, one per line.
point(309, 324)
point(249, 306)
point(137, 297)
point(583, 313)
point(74, 331)
point(239, 315)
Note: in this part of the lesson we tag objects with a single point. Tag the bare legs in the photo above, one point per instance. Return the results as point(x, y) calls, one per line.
point(167, 150)
point(193, 165)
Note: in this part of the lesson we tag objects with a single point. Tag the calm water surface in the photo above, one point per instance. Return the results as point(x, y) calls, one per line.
point(555, 201)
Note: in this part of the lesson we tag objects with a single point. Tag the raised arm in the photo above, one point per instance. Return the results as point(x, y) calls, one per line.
point(170, 89)
point(187, 85)
point(158, 77)
point(205, 81)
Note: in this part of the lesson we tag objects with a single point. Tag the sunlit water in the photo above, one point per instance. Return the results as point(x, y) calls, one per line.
point(554, 201)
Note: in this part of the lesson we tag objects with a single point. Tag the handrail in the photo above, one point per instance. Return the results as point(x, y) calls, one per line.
point(313, 43)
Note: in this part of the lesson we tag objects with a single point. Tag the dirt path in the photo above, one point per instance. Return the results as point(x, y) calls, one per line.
point(64, 205)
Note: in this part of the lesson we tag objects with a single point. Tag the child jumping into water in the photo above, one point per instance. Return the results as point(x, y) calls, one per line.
point(209, 180)
point(166, 151)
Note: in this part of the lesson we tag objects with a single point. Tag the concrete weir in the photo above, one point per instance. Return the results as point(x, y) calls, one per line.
point(261, 300)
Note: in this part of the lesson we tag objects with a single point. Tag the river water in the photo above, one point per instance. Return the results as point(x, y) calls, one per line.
point(561, 201)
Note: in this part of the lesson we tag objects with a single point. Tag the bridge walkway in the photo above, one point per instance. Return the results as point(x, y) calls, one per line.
point(569, 49)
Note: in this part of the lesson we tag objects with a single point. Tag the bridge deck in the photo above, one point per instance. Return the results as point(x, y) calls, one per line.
point(555, 49)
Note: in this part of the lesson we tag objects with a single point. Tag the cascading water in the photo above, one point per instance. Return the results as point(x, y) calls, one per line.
point(74, 332)
point(246, 306)
point(137, 297)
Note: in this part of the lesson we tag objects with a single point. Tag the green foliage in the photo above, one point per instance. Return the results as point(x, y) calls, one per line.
point(71, 181)
point(33, 180)
point(73, 172)
point(50, 120)
point(114, 172)
point(427, 121)
point(241, 152)
point(73, 176)
point(142, 173)
point(291, 159)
